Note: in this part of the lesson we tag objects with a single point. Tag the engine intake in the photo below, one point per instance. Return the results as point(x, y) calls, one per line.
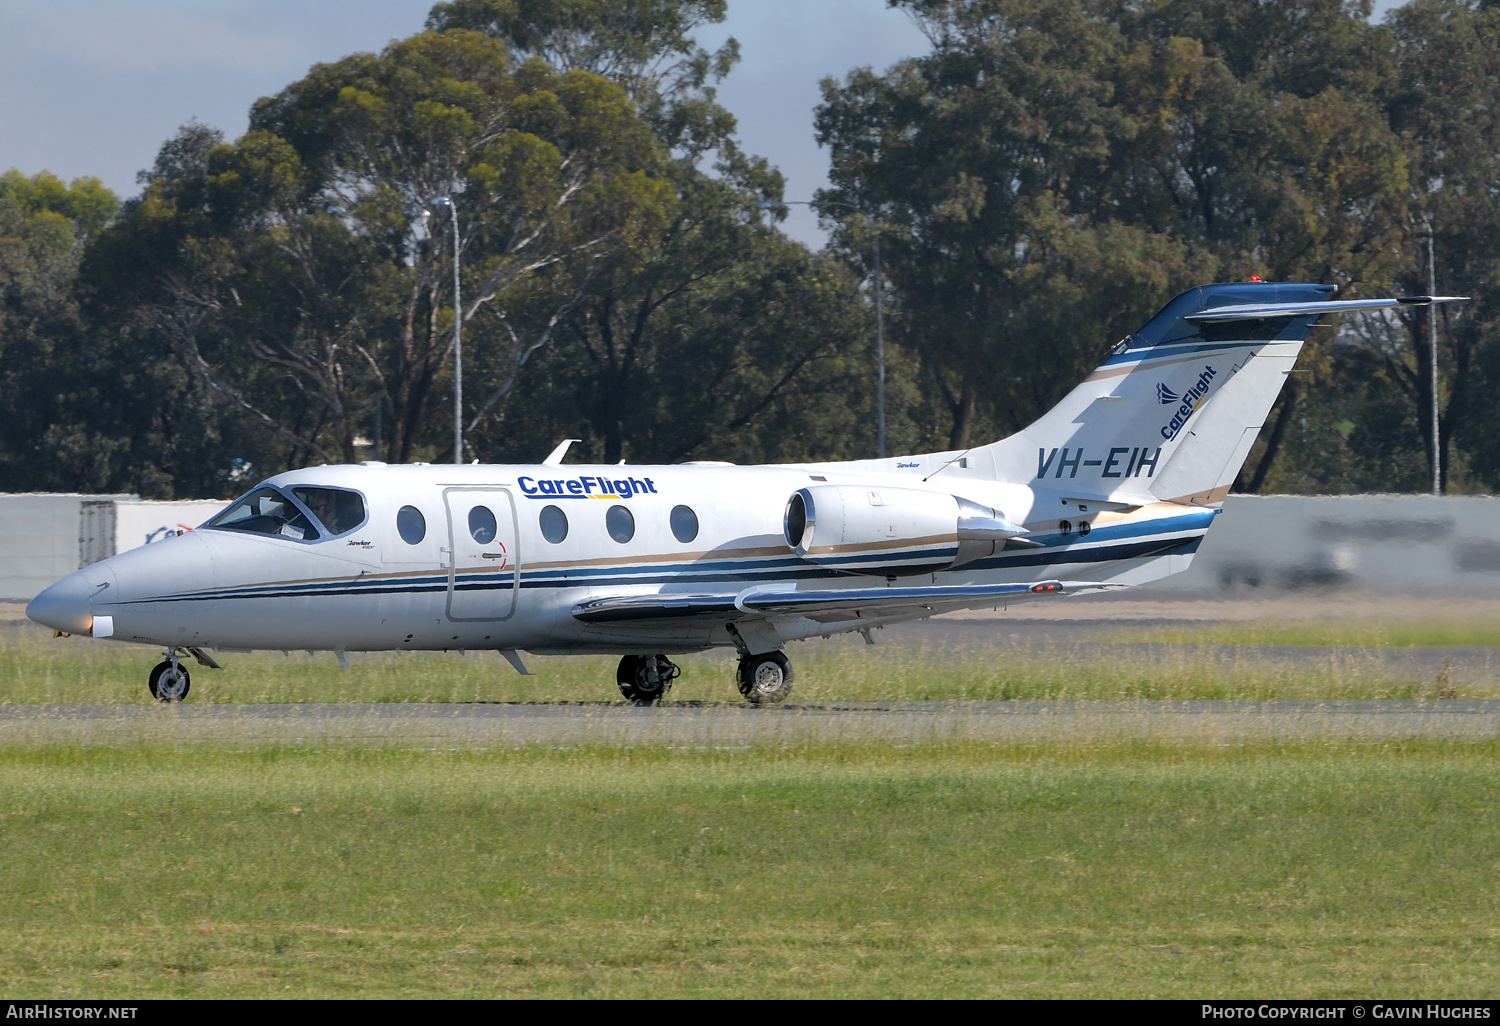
point(891, 532)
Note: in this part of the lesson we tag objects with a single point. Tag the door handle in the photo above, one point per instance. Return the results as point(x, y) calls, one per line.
point(494, 555)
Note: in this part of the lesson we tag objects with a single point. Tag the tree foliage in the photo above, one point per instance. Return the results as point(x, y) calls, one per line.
point(1056, 169)
point(1039, 182)
point(290, 269)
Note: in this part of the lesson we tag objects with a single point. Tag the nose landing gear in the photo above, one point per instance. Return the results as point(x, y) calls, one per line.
point(646, 679)
point(169, 681)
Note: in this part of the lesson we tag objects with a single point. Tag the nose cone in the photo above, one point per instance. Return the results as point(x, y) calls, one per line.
point(68, 604)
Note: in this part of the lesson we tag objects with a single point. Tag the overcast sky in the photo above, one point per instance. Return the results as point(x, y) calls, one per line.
point(93, 87)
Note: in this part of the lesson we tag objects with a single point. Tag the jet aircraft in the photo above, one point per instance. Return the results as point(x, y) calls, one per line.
point(1114, 487)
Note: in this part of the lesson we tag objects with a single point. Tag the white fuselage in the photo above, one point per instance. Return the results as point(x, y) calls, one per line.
point(1115, 485)
point(371, 589)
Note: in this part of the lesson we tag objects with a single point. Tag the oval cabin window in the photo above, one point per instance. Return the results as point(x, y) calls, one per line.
point(482, 524)
point(411, 525)
point(684, 524)
point(620, 524)
point(554, 523)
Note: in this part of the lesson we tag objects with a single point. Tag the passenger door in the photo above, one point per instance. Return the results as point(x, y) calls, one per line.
point(484, 567)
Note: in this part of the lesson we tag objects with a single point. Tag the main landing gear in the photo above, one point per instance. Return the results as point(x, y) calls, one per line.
point(169, 681)
point(646, 679)
point(764, 679)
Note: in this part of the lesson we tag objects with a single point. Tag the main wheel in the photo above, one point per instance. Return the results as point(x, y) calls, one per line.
point(169, 683)
point(646, 679)
point(765, 678)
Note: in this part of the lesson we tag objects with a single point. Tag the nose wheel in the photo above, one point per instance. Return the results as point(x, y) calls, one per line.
point(764, 679)
point(646, 679)
point(169, 681)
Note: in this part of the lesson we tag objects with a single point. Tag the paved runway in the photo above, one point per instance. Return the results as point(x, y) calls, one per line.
point(731, 724)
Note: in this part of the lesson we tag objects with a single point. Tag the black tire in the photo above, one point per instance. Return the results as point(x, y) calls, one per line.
point(764, 679)
point(633, 677)
point(170, 690)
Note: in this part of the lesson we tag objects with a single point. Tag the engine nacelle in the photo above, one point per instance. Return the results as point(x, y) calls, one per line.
point(891, 532)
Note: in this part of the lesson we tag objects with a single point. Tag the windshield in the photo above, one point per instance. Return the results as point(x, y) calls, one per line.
point(266, 511)
point(337, 511)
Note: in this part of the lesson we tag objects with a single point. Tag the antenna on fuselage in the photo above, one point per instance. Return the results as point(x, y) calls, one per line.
point(959, 459)
point(556, 458)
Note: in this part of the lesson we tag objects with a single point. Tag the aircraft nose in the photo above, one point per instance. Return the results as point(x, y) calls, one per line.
point(68, 604)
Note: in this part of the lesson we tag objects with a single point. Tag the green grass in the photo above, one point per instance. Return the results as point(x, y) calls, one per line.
point(1392, 633)
point(36, 669)
point(967, 870)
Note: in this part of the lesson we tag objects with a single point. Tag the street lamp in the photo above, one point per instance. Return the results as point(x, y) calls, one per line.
point(1432, 342)
point(879, 307)
point(458, 340)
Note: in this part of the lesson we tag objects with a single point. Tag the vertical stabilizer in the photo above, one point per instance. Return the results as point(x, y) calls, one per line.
point(1173, 411)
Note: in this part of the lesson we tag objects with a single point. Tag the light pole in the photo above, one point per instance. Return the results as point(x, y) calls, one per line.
point(1432, 341)
point(458, 338)
point(879, 308)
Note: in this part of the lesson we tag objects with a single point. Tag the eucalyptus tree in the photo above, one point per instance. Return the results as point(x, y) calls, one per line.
point(1112, 153)
point(711, 335)
point(290, 269)
point(1445, 102)
point(722, 339)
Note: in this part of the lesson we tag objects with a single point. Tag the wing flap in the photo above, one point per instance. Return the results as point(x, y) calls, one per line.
point(824, 605)
point(616, 608)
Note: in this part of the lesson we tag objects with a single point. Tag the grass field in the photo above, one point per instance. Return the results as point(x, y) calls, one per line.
point(1394, 632)
point(35, 668)
point(1118, 870)
point(1108, 869)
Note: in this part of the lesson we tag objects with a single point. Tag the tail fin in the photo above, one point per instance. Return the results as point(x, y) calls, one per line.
point(1172, 413)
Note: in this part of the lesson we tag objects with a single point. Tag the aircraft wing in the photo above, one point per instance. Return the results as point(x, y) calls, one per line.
point(830, 605)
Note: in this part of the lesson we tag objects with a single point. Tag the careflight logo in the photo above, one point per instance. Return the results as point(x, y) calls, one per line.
point(586, 487)
point(1191, 400)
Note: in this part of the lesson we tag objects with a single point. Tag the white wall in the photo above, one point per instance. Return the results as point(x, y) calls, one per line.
point(1408, 544)
point(136, 523)
point(45, 537)
point(38, 541)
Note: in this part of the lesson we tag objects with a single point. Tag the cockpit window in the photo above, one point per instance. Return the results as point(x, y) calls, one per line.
point(337, 511)
point(266, 511)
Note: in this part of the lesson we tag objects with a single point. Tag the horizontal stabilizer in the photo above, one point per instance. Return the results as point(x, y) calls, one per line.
point(1265, 311)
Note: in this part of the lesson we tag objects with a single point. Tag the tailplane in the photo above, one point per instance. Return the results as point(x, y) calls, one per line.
point(1172, 413)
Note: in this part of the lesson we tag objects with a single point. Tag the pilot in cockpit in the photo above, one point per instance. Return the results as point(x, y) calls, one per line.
point(320, 503)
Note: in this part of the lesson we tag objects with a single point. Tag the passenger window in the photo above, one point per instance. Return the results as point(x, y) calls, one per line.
point(620, 524)
point(336, 510)
point(684, 524)
point(411, 525)
point(265, 511)
point(482, 525)
point(554, 524)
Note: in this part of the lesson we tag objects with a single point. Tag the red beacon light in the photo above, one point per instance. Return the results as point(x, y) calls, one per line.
point(1255, 277)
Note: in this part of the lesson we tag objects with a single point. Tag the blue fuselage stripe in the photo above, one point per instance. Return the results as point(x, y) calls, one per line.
point(1110, 542)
